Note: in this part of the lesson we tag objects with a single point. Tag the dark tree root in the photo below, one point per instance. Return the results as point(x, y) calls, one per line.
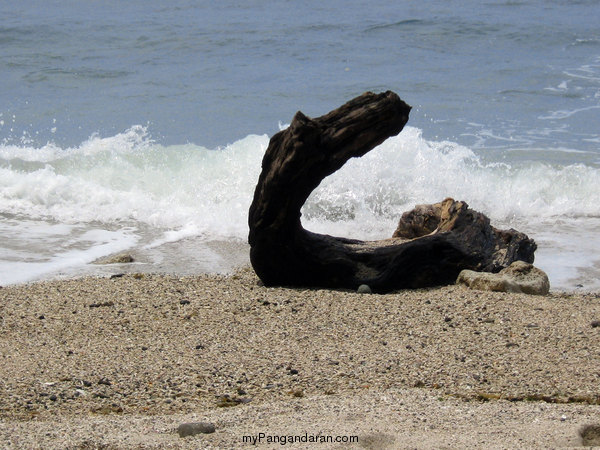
point(432, 244)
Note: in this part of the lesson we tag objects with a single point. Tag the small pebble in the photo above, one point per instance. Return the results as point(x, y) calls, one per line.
point(100, 305)
point(193, 428)
point(590, 435)
point(595, 323)
point(184, 302)
point(121, 258)
point(364, 289)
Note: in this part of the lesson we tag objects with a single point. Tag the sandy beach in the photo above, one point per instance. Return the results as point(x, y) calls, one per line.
point(121, 362)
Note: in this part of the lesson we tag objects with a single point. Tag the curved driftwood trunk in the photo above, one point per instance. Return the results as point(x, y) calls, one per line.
point(431, 246)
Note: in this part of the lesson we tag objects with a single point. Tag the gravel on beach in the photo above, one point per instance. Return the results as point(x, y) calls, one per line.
point(145, 353)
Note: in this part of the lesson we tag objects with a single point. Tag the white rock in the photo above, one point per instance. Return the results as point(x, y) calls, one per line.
point(520, 277)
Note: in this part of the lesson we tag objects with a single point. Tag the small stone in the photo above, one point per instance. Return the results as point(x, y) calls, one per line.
point(108, 409)
point(53, 397)
point(184, 302)
point(42, 317)
point(595, 323)
point(120, 258)
point(563, 418)
point(104, 381)
point(224, 401)
point(590, 435)
point(101, 304)
point(293, 372)
point(194, 428)
point(364, 289)
point(519, 277)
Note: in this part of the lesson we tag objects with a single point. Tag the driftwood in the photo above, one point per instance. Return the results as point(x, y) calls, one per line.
point(432, 244)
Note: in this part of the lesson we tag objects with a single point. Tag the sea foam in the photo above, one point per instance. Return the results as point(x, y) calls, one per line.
point(162, 194)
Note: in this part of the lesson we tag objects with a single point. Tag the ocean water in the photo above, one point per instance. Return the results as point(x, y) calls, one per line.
point(140, 126)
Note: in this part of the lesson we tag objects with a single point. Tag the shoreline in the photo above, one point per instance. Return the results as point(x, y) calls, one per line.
point(194, 256)
point(141, 348)
point(185, 257)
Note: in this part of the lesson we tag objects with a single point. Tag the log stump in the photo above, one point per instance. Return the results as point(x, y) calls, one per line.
point(432, 244)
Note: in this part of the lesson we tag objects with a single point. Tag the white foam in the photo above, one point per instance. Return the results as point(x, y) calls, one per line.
point(563, 114)
point(68, 251)
point(168, 193)
point(128, 178)
point(188, 230)
point(408, 170)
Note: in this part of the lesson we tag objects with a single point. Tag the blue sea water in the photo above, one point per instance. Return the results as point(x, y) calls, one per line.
point(141, 125)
